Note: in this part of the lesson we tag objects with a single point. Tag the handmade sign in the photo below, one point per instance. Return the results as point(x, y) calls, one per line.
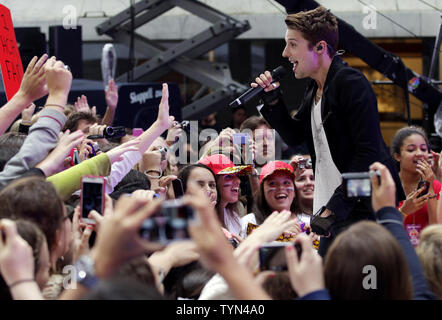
point(10, 61)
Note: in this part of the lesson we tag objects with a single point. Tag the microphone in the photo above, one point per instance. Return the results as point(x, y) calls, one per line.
point(277, 74)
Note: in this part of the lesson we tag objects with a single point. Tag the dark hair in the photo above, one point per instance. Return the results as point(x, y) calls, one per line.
point(186, 281)
point(32, 234)
point(253, 123)
point(402, 134)
point(262, 209)
point(10, 144)
point(185, 172)
point(316, 25)
point(279, 287)
point(123, 288)
point(138, 269)
point(132, 181)
point(75, 117)
point(34, 199)
point(367, 244)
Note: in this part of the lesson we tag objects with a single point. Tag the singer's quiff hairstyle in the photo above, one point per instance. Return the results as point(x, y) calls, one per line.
point(316, 25)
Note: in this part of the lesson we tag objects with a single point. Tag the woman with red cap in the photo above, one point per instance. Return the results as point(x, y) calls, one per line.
point(276, 192)
point(228, 193)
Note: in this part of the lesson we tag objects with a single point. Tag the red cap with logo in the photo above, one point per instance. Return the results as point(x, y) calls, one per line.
point(220, 164)
point(274, 166)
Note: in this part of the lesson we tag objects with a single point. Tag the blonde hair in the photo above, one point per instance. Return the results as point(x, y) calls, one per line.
point(429, 252)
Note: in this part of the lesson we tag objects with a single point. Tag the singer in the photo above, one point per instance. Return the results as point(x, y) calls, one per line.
point(338, 118)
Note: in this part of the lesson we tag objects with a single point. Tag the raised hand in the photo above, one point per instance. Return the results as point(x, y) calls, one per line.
point(16, 259)
point(116, 154)
point(111, 95)
point(118, 239)
point(33, 85)
point(27, 113)
point(56, 160)
point(164, 120)
point(59, 80)
point(306, 274)
point(81, 105)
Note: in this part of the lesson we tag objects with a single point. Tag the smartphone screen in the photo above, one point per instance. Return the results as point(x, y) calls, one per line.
point(272, 256)
point(420, 185)
point(357, 184)
point(168, 224)
point(177, 188)
point(92, 197)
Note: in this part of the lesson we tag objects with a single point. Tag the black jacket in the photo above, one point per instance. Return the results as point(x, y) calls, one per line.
point(351, 123)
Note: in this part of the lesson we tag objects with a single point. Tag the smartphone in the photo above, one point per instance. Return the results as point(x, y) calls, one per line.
point(358, 184)
point(241, 138)
point(168, 224)
point(178, 190)
point(92, 196)
point(420, 185)
point(272, 255)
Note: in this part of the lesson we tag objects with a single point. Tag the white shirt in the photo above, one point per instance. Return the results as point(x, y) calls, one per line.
point(237, 225)
point(327, 175)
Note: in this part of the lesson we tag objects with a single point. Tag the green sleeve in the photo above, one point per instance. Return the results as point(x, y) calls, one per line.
point(69, 181)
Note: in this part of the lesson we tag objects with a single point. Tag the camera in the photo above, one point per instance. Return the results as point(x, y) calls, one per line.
point(168, 224)
point(358, 184)
point(305, 163)
point(272, 256)
point(114, 132)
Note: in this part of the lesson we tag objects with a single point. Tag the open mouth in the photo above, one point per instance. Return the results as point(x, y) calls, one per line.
point(295, 64)
point(281, 196)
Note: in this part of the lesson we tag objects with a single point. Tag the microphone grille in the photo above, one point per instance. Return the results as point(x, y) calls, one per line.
point(279, 73)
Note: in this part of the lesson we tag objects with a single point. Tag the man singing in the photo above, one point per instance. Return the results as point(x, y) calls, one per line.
point(338, 118)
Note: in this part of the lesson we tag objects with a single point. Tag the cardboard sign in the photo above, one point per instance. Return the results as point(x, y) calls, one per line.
point(10, 61)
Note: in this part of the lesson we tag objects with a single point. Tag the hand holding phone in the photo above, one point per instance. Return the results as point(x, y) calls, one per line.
point(272, 256)
point(92, 196)
point(423, 183)
point(168, 224)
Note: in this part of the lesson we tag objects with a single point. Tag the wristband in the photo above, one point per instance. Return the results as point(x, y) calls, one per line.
point(26, 122)
point(19, 282)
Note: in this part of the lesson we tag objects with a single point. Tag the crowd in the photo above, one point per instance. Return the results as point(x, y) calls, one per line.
point(246, 226)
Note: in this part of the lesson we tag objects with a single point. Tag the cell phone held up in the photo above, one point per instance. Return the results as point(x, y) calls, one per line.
point(92, 196)
point(423, 183)
point(168, 224)
point(272, 256)
point(358, 184)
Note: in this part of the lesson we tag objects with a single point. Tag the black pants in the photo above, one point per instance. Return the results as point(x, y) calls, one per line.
point(361, 212)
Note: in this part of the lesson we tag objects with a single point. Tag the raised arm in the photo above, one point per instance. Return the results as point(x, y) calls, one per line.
point(33, 87)
point(43, 135)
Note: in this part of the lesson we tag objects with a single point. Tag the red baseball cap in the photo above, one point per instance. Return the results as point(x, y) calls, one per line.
point(274, 166)
point(220, 164)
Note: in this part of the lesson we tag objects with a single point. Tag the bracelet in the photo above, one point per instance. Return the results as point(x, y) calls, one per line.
point(19, 282)
point(26, 122)
point(54, 105)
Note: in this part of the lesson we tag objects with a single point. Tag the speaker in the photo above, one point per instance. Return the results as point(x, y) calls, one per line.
point(66, 45)
point(30, 42)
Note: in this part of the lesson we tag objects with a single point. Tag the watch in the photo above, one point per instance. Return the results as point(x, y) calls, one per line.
point(85, 271)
